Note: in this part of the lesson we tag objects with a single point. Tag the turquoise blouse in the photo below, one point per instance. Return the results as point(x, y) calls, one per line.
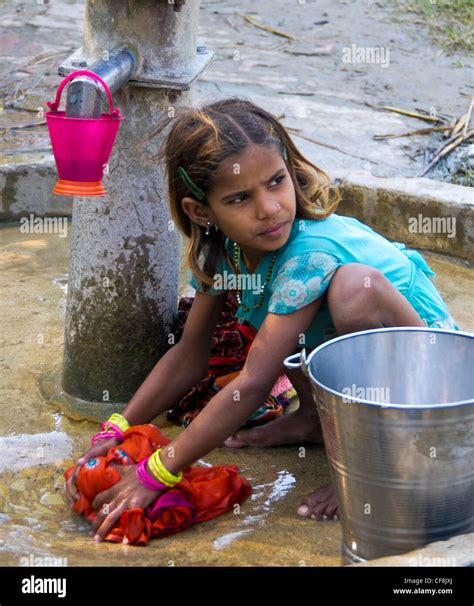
point(305, 265)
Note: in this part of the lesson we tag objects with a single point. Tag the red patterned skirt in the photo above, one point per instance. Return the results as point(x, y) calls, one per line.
point(230, 345)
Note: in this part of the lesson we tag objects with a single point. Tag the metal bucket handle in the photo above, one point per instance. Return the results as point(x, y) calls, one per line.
point(300, 363)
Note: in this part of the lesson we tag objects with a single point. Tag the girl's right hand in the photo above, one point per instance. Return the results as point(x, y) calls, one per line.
point(100, 449)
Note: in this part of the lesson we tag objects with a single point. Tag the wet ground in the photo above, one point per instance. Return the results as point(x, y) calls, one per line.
point(33, 516)
point(38, 443)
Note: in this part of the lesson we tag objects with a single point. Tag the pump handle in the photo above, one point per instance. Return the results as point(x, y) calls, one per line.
point(115, 113)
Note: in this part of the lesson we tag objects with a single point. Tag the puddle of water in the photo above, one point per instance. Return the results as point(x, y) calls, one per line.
point(265, 496)
point(271, 492)
point(226, 539)
point(26, 450)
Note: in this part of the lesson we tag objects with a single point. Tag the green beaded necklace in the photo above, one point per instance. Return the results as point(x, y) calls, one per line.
point(262, 288)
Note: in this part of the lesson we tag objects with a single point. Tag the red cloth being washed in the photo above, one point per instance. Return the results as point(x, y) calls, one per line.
point(203, 493)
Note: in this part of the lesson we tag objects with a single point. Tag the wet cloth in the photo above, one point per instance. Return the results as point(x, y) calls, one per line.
point(203, 493)
point(305, 265)
point(229, 348)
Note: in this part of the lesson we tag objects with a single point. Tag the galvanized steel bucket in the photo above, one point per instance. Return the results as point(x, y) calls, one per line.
point(396, 406)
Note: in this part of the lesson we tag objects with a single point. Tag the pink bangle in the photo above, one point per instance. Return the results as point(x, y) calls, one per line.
point(146, 479)
point(112, 431)
point(103, 435)
point(108, 426)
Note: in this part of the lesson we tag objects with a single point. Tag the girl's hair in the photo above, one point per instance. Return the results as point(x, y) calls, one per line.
point(201, 139)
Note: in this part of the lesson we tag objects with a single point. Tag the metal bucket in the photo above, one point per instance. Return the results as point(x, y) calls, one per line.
point(396, 406)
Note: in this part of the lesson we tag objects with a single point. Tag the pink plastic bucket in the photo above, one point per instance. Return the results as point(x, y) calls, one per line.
point(81, 146)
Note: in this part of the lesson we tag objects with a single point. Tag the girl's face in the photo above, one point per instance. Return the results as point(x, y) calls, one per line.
point(251, 193)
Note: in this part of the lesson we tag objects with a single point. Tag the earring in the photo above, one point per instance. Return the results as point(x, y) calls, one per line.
point(207, 232)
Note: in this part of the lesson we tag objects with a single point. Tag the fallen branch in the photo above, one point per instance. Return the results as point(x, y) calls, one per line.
point(412, 133)
point(458, 127)
point(468, 116)
point(42, 57)
point(451, 139)
point(404, 112)
point(267, 28)
point(25, 126)
point(278, 45)
point(296, 132)
point(289, 92)
point(232, 25)
point(448, 148)
point(443, 117)
point(37, 59)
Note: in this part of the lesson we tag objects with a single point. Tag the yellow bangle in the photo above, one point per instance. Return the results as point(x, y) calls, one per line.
point(160, 472)
point(156, 474)
point(120, 421)
point(166, 474)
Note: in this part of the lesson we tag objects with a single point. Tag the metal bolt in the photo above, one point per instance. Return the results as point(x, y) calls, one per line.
point(176, 5)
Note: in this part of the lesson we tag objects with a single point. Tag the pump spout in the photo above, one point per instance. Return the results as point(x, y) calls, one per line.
point(85, 95)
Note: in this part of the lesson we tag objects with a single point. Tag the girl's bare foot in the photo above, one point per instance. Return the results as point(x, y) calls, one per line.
point(292, 428)
point(320, 504)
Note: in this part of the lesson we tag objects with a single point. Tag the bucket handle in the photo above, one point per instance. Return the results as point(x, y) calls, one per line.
point(300, 362)
point(115, 113)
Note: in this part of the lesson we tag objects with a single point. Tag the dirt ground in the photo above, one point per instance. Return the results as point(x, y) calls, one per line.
point(307, 80)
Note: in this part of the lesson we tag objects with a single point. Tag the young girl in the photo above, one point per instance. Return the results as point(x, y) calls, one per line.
point(260, 219)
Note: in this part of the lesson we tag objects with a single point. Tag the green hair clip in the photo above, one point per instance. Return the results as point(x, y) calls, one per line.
point(197, 191)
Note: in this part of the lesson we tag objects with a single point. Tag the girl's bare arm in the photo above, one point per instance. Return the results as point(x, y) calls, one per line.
point(230, 408)
point(276, 339)
point(182, 366)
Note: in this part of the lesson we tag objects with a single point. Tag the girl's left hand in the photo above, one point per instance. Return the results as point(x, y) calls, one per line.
point(126, 494)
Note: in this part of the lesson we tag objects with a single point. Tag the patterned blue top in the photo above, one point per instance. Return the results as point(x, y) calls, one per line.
point(305, 265)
